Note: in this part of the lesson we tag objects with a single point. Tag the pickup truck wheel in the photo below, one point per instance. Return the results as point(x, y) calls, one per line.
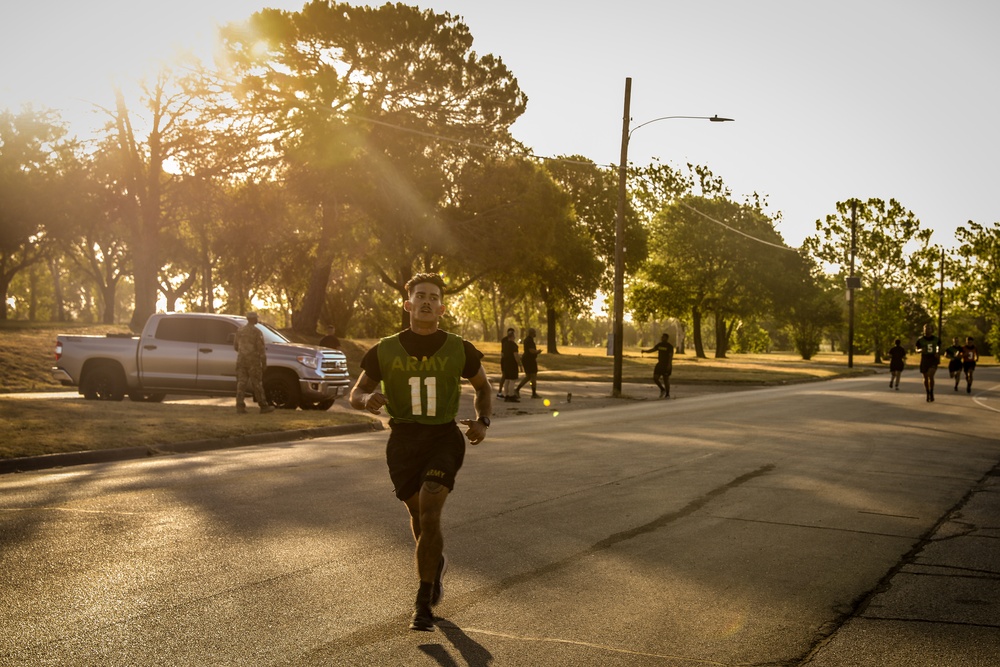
point(325, 404)
point(105, 382)
point(282, 391)
point(140, 397)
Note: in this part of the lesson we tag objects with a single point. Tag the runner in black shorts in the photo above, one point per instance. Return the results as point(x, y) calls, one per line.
point(929, 346)
point(954, 356)
point(416, 375)
point(970, 355)
point(416, 454)
point(664, 364)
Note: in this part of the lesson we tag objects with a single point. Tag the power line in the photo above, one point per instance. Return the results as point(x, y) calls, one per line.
point(733, 229)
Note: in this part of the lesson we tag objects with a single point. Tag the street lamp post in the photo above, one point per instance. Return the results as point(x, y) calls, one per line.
point(852, 284)
point(618, 330)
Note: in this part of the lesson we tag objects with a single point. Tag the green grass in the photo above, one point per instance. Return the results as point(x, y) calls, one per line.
point(33, 427)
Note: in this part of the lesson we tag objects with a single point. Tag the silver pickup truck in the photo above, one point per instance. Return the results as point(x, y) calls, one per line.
point(192, 353)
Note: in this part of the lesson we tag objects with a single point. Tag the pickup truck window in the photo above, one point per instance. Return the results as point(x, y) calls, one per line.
point(217, 332)
point(182, 329)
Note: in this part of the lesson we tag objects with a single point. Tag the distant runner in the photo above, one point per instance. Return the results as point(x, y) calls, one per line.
point(929, 346)
point(664, 364)
point(970, 355)
point(897, 362)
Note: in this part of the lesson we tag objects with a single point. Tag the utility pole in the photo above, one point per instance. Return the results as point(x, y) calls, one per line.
point(941, 302)
point(618, 331)
point(851, 283)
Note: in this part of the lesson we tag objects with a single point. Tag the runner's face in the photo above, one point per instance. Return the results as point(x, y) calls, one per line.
point(425, 304)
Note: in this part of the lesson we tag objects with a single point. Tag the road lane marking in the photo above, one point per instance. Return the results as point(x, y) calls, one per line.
point(573, 642)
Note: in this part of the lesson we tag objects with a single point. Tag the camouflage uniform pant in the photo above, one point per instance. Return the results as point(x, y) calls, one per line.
point(249, 376)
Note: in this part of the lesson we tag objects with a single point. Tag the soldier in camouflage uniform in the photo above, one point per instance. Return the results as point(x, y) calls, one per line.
point(251, 361)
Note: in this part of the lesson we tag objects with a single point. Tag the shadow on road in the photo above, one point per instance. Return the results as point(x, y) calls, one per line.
point(474, 653)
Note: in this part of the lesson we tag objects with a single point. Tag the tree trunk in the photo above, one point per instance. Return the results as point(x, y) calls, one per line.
point(306, 318)
point(4, 286)
point(58, 300)
point(721, 336)
point(33, 296)
point(699, 346)
point(551, 318)
point(108, 295)
point(145, 268)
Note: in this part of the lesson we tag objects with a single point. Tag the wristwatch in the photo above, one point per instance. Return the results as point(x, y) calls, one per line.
point(485, 421)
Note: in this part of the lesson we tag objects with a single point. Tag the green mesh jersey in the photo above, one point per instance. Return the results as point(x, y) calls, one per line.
point(425, 390)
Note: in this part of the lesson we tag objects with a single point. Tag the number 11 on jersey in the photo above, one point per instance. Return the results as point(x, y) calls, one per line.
point(416, 402)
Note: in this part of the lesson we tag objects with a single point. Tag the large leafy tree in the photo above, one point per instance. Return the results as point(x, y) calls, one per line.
point(141, 140)
point(374, 113)
point(892, 256)
point(561, 254)
point(978, 275)
point(31, 146)
point(710, 257)
point(593, 191)
point(94, 239)
point(809, 304)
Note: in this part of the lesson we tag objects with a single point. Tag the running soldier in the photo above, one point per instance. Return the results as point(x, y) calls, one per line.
point(929, 347)
point(416, 375)
point(970, 355)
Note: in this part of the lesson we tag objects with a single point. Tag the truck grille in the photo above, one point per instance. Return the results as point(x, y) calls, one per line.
point(334, 363)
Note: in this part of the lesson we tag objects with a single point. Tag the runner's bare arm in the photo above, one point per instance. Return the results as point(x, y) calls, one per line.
point(476, 430)
point(365, 395)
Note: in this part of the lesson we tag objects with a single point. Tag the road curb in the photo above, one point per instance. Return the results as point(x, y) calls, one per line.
point(46, 461)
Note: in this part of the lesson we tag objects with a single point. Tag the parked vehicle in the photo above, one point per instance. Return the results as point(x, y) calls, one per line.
point(192, 353)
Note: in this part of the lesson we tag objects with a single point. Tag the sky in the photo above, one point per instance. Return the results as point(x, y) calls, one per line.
point(892, 99)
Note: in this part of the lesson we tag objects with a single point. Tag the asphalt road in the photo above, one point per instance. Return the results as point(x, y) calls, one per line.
point(766, 527)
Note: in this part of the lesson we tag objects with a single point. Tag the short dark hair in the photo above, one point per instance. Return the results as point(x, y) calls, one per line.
point(432, 278)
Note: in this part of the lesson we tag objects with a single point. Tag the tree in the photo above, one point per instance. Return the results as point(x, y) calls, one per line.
point(710, 256)
point(593, 191)
point(810, 307)
point(30, 145)
point(375, 112)
point(891, 255)
point(978, 275)
point(141, 178)
point(95, 241)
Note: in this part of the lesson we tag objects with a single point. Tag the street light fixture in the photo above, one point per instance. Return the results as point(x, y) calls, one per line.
point(619, 292)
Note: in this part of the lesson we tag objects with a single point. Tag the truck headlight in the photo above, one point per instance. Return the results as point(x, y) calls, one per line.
point(309, 361)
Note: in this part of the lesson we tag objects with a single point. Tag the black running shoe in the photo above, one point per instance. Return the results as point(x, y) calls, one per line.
point(437, 593)
point(423, 619)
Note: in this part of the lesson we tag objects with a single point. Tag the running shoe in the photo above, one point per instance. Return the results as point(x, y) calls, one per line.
point(423, 619)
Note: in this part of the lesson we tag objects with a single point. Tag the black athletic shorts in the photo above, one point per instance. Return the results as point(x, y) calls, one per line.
point(417, 453)
point(928, 361)
point(969, 366)
point(663, 369)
